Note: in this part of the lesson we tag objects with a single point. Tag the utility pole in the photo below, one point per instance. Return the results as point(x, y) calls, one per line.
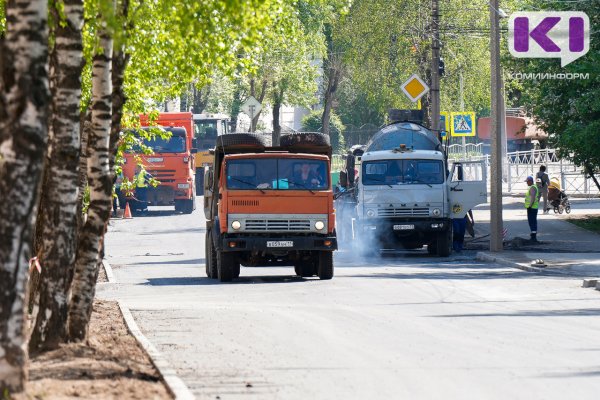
point(496, 150)
point(435, 68)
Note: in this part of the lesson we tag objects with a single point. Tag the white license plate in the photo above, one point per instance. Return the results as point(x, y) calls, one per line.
point(280, 243)
point(155, 159)
point(403, 227)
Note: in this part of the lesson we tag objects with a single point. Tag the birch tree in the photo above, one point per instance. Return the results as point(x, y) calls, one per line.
point(23, 133)
point(100, 186)
point(59, 219)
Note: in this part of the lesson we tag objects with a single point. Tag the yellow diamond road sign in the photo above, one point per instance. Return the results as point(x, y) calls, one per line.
point(414, 88)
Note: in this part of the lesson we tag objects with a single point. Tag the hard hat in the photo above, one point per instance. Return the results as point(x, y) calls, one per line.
point(529, 178)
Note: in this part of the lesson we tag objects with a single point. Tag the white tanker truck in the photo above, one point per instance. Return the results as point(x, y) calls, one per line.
point(401, 193)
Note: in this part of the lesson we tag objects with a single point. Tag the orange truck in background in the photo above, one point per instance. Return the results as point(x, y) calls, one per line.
point(269, 205)
point(172, 164)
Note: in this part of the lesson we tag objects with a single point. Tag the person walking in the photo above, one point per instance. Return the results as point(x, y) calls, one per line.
point(532, 198)
point(545, 182)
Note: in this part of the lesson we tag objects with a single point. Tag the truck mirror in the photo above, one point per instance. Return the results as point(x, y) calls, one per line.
point(208, 177)
point(194, 143)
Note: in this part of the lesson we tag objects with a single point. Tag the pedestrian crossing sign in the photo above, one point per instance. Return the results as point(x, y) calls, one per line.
point(463, 124)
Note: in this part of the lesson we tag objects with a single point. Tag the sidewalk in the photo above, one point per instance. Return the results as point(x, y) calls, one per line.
point(564, 247)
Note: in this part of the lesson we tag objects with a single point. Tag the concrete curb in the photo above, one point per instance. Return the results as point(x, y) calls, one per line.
point(109, 272)
point(174, 384)
point(483, 256)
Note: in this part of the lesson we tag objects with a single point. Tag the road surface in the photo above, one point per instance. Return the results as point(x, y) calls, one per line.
point(403, 326)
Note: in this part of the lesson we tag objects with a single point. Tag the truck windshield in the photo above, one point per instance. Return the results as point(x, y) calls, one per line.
point(205, 129)
point(174, 144)
point(277, 174)
point(392, 172)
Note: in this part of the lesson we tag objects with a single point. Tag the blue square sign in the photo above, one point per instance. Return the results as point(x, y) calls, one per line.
point(463, 124)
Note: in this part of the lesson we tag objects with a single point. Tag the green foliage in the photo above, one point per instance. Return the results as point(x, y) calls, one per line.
point(313, 123)
point(384, 43)
point(568, 110)
point(2, 17)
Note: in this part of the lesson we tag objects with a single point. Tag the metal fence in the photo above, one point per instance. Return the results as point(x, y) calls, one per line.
point(520, 164)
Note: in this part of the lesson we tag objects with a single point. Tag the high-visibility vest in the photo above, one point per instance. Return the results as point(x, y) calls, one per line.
point(536, 197)
point(141, 179)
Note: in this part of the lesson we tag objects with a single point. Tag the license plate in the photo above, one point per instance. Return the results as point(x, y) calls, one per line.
point(403, 227)
point(155, 159)
point(280, 243)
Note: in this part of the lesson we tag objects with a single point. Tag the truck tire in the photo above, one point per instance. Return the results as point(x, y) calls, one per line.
point(185, 206)
point(443, 243)
point(325, 268)
point(199, 181)
point(210, 255)
point(227, 265)
point(242, 140)
point(305, 269)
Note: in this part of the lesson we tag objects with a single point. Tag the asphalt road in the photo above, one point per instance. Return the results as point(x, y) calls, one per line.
point(403, 326)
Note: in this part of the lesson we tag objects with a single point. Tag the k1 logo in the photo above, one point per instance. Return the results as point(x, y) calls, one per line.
point(549, 34)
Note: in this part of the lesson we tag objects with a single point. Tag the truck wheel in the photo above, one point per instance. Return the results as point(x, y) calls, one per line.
point(305, 269)
point(185, 206)
point(227, 265)
point(325, 269)
point(199, 181)
point(443, 243)
point(431, 248)
point(210, 255)
point(242, 140)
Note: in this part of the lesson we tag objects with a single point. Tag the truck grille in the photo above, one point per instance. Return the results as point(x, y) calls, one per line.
point(244, 202)
point(287, 225)
point(403, 212)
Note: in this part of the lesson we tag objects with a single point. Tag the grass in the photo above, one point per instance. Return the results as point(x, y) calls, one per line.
point(588, 222)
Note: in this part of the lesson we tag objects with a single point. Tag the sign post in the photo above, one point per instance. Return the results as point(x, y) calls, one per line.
point(251, 107)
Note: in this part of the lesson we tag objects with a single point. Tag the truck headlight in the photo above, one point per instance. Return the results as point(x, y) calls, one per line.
point(236, 225)
point(319, 225)
point(183, 186)
point(436, 212)
point(370, 213)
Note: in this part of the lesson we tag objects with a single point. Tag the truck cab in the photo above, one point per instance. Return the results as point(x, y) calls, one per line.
point(171, 163)
point(269, 206)
point(207, 127)
point(405, 197)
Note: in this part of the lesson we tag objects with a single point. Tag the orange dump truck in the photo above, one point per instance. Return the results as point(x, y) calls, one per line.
point(270, 205)
point(172, 164)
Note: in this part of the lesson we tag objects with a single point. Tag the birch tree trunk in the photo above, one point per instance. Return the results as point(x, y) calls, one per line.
point(59, 220)
point(23, 131)
point(100, 184)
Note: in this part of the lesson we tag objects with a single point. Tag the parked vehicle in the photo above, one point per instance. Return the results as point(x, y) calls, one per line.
point(172, 164)
point(404, 197)
point(206, 129)
point(269, 205)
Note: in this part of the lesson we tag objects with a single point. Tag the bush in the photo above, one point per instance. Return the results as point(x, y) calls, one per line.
point(312, 123)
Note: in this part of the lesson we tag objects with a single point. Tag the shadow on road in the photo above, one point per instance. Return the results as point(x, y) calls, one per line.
point(579, 312)
point(242, 280)
point(449, 275)
point(175, 231)
point(196, 261)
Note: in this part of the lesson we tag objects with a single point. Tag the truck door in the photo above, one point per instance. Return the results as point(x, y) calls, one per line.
point(468, 187)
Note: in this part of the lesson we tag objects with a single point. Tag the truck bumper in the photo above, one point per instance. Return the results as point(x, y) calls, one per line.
point(402, 227)
point(277, 243)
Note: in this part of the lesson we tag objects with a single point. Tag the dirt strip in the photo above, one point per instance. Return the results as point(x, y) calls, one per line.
point(109, 365)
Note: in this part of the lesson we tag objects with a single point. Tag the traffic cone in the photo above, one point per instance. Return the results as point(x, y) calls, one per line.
point(127, 214)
